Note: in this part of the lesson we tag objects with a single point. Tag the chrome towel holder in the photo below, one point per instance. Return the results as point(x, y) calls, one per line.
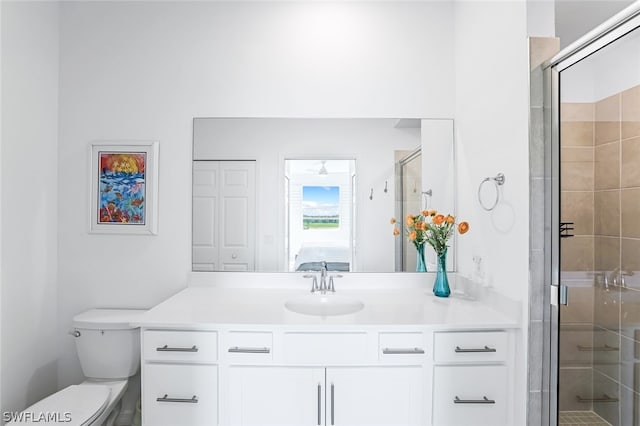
point(498, 181)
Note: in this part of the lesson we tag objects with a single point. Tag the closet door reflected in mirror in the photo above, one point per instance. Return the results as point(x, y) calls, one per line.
point(224, 215)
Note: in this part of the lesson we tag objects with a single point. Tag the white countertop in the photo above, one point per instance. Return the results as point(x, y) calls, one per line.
point(202, 308)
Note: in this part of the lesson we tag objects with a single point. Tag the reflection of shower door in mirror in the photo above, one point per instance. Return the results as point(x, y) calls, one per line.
point(224, 215)
point(409, 167)
point(599, 236)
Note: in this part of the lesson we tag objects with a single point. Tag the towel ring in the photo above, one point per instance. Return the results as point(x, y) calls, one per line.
point(498, 181)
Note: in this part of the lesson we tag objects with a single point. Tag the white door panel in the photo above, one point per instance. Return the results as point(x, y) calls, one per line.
point(224, 201)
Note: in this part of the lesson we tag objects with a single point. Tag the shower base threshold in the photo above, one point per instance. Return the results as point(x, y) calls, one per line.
point(581, 418)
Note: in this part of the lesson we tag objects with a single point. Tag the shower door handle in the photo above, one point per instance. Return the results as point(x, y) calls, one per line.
point(563, 295)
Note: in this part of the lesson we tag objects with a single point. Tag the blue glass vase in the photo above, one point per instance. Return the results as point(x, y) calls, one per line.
point(441, 286)
point(421, 266)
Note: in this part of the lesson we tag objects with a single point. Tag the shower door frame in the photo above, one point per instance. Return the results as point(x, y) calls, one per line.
point(555, 294)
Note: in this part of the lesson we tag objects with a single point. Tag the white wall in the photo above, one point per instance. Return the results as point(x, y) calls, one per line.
point(575, 18)
point(492, 137)
point(492, 107)
point(141, 70)
point(29, 200)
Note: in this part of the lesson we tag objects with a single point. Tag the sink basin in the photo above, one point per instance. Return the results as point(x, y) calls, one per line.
point(324, 304)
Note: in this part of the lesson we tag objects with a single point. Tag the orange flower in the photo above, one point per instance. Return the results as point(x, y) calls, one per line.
point(450, 219)
point(425, 212)
point(409, 220)
point(433, 212)
point(421, 226)
point(412, 235)
point(463, 227)
point(438, 220)
point(392, 220)
point(396, 231)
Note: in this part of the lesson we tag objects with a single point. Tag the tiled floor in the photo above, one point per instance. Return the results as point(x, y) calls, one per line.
point(581, 418)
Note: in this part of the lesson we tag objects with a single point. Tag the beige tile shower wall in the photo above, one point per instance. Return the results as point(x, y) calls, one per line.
point(630, 180)
point(615, 178)
point(578, 180)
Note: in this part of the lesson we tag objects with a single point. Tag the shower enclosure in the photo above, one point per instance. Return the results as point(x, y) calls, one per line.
point(593, 248)
point(408, 178)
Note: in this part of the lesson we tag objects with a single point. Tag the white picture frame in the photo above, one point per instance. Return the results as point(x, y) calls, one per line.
point(124, 187)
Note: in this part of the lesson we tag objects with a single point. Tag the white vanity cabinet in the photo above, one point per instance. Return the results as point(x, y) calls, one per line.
point(471, 378)
point(363, 377)
point(326, 378)
point(439, 363)
point(179, 378)
point(298, 396)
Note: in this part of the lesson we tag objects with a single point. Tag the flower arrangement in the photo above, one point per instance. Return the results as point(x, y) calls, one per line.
point(432, 228)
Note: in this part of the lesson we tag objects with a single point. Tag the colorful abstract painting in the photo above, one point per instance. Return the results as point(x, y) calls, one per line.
point(121, 190)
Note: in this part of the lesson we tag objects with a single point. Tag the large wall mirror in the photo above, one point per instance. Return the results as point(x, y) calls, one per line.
point(287, 194)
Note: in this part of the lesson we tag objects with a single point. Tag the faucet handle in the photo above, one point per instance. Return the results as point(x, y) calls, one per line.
point(332, 288)
point(314, 283)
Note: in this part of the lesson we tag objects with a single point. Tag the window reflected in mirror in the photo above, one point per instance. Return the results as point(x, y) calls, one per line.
point(320, 205)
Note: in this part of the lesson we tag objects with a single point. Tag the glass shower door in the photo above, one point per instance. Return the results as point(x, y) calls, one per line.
point(599, 327)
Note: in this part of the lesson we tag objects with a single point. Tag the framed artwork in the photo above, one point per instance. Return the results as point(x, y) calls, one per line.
point(124, 187)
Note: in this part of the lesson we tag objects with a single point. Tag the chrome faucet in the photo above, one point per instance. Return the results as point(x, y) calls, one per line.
point(323, 277)
point(324, 285)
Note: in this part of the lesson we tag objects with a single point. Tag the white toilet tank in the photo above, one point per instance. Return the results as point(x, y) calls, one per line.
point(108, 347)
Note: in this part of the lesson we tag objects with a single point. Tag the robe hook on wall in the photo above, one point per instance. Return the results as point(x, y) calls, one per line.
point(371, 194)
point(427, 198)
point(386, 187)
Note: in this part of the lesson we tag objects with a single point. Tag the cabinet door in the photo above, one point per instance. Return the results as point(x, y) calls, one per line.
point(470, 395)
point(374, 396)
point(276, 396)
point(180, 395)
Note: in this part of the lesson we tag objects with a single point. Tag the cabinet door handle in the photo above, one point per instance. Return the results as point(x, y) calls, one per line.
point(319, 404)
point(239, 350)
point(333, 413)
point(165, 398)
point(166, 348)
point(484, 400)
point(472, 350)
point(402, 351)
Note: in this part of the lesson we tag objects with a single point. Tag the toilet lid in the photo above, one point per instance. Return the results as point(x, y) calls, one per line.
point(72, 406)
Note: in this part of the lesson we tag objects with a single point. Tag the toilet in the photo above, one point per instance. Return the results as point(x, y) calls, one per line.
point(109, 352)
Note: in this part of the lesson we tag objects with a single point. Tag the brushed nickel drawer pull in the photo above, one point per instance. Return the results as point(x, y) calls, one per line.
point(166, 348)
point(402, 351)
point(165, 398)
point(239, 350)
point(319, 404)
point(333, 400)
point(474, 350)
point(484, 400)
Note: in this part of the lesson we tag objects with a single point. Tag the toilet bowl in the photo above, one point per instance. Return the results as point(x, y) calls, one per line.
point(109, 352)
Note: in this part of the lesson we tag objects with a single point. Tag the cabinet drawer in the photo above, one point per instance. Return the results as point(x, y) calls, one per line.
point(401, 346)
point(181, 346)
point(490, 346)
point(244, 346)
point(470, 395)
point(180, 395)
point(325, 348)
